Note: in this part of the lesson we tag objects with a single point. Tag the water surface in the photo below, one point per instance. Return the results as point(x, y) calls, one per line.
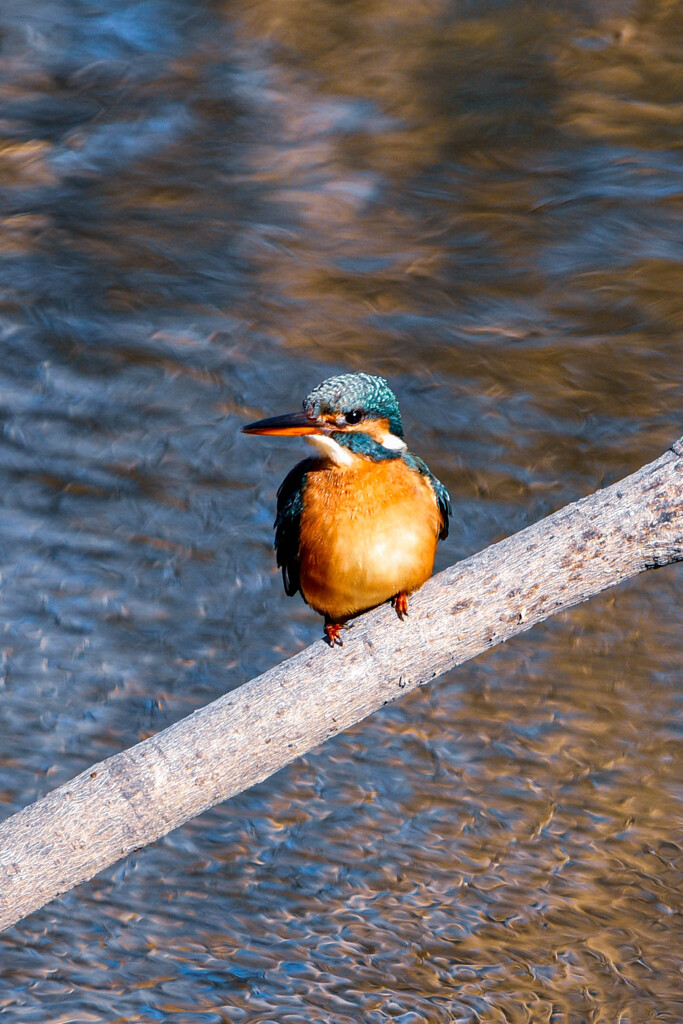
point(205, 210)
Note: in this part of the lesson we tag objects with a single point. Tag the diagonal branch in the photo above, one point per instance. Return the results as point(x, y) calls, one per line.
point(136, 796)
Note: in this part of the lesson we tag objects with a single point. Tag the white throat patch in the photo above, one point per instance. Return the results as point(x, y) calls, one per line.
point(328, 447)
point(341, 456)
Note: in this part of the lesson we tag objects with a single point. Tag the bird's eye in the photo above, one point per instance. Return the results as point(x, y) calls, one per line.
point(355, 416)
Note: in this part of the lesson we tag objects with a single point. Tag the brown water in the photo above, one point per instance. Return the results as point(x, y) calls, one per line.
point(205, 210)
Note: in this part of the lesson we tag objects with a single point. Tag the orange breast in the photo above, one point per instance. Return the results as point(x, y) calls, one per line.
point(368, 531)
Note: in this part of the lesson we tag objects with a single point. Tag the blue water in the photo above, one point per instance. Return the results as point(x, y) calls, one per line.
point(204, 211)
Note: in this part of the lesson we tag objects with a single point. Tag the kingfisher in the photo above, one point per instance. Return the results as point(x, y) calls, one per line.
point(359, 523)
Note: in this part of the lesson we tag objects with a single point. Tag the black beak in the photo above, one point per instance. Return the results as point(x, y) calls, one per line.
point(292, 424)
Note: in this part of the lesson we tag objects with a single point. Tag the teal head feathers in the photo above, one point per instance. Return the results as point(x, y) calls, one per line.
point(354, 398)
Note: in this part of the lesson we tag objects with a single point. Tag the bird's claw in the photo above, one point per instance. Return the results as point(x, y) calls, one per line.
point(332, 631)
point(399, 603)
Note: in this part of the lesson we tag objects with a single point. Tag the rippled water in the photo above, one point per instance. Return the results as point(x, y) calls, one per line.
point(206, 209)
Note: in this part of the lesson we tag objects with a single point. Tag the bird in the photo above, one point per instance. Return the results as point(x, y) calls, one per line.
point(359, 523)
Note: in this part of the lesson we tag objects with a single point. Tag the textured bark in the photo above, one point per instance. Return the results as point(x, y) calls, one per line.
point(136, 796)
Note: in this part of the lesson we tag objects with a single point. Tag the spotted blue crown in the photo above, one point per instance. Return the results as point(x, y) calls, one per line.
point(356, 391)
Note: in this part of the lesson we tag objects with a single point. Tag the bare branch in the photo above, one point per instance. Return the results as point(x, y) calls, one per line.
point(135, 797)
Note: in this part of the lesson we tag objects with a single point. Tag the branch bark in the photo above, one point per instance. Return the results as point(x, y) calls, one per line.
point(136, 796)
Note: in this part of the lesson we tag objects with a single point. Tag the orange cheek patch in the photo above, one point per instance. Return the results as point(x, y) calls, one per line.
point(378, 430)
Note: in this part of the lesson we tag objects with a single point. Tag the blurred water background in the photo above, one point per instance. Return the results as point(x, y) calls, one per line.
point(205, 209)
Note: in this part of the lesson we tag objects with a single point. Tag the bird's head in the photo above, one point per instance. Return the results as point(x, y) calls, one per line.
point(351, 404)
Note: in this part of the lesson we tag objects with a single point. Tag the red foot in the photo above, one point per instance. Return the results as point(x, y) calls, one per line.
point(332, 631)
point(399, 603)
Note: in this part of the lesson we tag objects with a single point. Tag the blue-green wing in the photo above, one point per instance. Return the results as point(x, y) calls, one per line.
point(290, 503)
point(443, 498)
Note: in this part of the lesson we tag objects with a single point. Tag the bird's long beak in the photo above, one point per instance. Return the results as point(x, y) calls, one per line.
point(294, 423)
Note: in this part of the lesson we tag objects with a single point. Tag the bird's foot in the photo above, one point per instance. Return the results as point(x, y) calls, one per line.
point(332, 631)
point(399, 603)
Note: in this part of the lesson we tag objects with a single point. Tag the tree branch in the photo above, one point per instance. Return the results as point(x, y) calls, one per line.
point(136, 796)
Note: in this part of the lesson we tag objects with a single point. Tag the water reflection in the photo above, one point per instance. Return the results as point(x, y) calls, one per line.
point(206, 210)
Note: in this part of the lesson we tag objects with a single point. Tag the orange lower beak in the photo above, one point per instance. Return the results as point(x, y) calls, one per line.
point(293, 424)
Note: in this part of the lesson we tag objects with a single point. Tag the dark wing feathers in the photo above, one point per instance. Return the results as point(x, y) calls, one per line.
point(443, 498)
point(290, 503)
